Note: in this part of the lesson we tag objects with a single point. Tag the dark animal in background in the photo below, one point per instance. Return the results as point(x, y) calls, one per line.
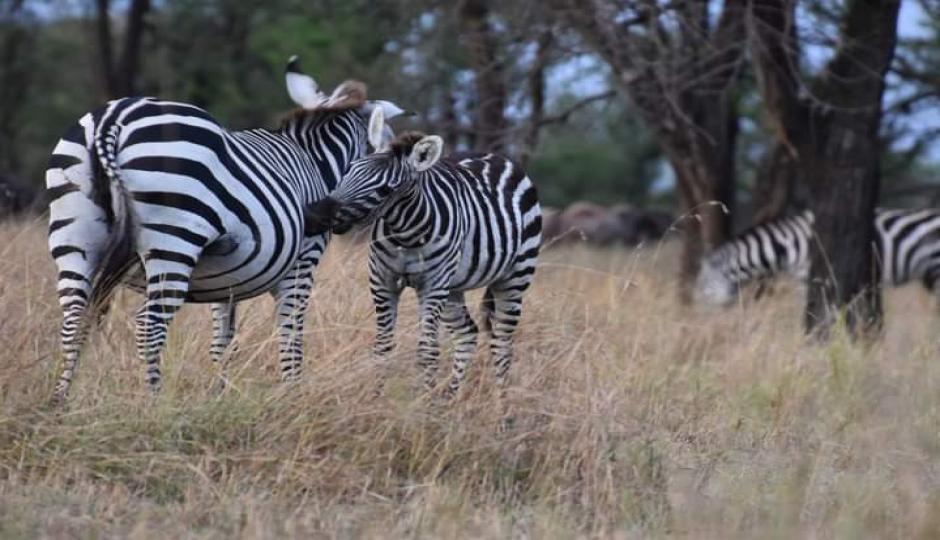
point(15, 198)
point(619, 225)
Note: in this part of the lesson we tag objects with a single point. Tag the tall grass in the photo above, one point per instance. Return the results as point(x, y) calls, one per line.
point(628, 416)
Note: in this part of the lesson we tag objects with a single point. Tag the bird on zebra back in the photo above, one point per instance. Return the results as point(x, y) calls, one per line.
point(159, 195)
point(907, 243)
point(441, 226)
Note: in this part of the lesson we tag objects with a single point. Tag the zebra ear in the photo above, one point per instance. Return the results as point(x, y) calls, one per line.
point(426, 152)
point(390, 109)
point(301, 87)
point(377, 130)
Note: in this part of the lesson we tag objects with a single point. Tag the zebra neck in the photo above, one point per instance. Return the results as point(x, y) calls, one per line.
point(332, 139)
point(411, 219)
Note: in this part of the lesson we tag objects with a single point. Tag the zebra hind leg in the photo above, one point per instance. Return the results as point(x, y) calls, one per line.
point(502, 304)
point(74, 294)
point(168, 275)
point(464, 332)
point(223, 331)
point(507, 309)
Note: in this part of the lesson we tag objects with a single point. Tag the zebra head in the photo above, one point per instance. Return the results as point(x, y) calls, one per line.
point(333, 124)
point(375, 182)
point(713, 286)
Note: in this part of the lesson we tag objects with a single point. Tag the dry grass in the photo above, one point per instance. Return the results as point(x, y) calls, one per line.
point(629, 416)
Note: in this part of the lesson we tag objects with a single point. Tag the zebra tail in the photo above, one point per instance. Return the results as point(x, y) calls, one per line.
point(486, 311)
point(120, 254)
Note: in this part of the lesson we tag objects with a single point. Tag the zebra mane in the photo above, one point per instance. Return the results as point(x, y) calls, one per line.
point(405, 142)
point(348, 95)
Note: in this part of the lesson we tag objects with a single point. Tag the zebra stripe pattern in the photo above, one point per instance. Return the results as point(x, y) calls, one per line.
point(442, 227)
point(907, 244)
point(159, 195)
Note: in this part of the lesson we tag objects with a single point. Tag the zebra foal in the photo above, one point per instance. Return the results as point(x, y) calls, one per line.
point(159, 195)
point(907, 244)
point(442, 227)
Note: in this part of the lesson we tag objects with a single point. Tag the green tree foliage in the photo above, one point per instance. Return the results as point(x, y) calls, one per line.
point(228, 55)
point(604, 155)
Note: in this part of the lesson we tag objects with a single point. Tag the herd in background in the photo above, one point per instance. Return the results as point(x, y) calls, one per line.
point(620, 224)
point(906, 245)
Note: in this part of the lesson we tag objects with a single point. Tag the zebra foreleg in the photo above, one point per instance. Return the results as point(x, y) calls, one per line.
point(431, 302)
point(292, 296)
point(386, 314)
point(464, 332)
point(223, 331)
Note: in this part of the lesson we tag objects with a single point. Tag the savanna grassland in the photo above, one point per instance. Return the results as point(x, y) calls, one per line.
point(628, 416)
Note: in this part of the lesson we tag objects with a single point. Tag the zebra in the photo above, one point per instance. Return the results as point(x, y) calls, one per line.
point(441, 227)
point(160, 193)
point(907, 242)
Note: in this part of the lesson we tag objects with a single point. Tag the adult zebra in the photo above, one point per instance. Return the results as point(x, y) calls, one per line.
point(908, 245)
point(442, 226)
point(202, 213)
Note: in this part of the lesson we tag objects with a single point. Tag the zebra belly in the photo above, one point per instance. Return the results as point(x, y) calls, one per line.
point(233, 266)
point(480, 269)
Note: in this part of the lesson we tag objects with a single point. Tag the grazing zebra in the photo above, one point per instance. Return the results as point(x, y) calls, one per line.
point(159, 191)
point(443, 227)
point(907, 243)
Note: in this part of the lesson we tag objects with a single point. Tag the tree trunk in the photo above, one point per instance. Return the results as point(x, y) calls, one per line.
point(536, 84)
point(774, 187)
point(17, 57)
point(844, 273)
point(680, 82)
point(489, 121)
point(120, 78)
point(831, 134)
point(105, 53)
point(130, 55)
point(450, 129)
point(706, 187)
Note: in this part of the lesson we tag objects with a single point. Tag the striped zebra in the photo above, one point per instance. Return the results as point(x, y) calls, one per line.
point(159, 195)
point(442, 227)
point(907, 244)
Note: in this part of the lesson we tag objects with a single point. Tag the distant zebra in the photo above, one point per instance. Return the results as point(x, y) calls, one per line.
point(192, 212)
point(442, 226)
point(907, 243)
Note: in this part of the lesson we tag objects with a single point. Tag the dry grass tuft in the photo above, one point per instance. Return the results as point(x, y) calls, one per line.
point(628, 416)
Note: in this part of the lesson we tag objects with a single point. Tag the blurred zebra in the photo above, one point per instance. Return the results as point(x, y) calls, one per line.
point(907, 244)
point(159, 191)
point(442, 227)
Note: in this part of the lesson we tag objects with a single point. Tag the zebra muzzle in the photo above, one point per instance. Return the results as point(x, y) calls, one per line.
point(318, 217)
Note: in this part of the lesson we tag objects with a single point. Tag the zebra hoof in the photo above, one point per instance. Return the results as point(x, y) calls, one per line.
point(58, 403)
point(221, 386)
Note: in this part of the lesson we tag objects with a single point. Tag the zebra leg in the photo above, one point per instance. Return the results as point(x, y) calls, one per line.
point(503, 306)
point(507, 308)
point(223, 330)
point(431, 301)
point(464, 332)
point(292, 295)
point(168, 275)
point(386, 314)
point(74, 293)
